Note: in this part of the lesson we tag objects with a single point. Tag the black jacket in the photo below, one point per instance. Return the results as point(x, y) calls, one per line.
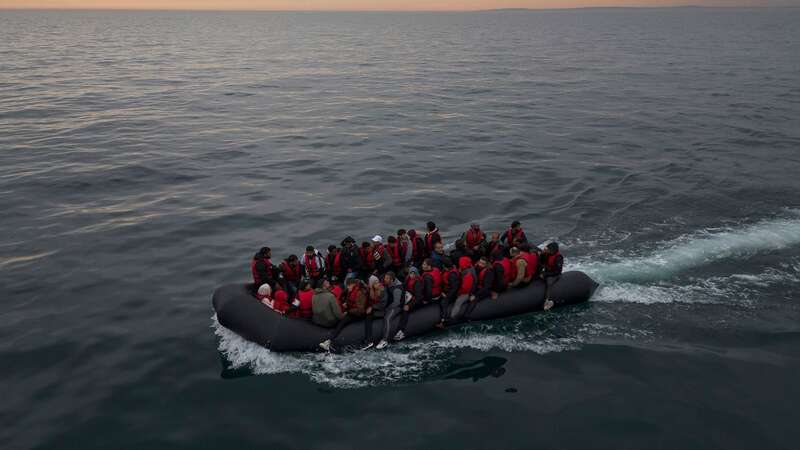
point(350, 259)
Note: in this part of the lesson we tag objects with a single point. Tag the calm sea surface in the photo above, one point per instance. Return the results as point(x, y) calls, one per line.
point(144, 157)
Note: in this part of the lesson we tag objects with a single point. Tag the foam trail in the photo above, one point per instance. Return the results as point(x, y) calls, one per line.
point(696, 250)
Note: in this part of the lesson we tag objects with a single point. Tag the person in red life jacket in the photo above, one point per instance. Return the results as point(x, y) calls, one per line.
point(333, 264)
point(280, 299)
point(485, 280)
point(261, 267)
point(381, 257)
point(519, 268)
point(291, 274)
point(418, 250)
point(432, 282)
point(414, 293)
point(432, 237)
point(350, 258)
point(552, 267)
point(338, 292)
point(451, 281)
point(494, 244)
point(466, 290)
point(502, 272)
point(367, 260)
point(354, 308)
point(395, 253)
point(301, 306)
point(531, 255)
point(404, 242)
point(514, 235)
point(474, 241)
point(313, 266)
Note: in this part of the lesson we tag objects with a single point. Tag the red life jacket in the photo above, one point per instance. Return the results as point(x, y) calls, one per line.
point(367, 258)
point(506, 270)
point(533, 263)
point(436, 281)
point(304, 310)
point(473, 238)
point(467, 282)
point(410, 285)
point(394, 252)
point(335, 266)
point(550, 262)
point(446, 278)
point(290, 273)
point(312, 268)
point(337, 292)
point(430, 238)
point(280, 302)
point(352, 300)
point(500, 284)
point(256, 276)
point(511, 235)
point(514, 266)
point(482, 275)
point(378, 254)
point(418, 248)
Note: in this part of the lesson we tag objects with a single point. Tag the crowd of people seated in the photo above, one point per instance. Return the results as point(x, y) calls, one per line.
point(386, 279)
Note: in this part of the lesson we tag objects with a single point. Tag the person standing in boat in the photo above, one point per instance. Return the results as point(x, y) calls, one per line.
point(414, 294)
point(351, 258)
point(417, 248)
point(432, 237)
point(514, 236)
point(394, 251)
point(354, 308)
point(406, 252)
point(313, 266)
point(381, 257)
point(262, 268)
point(552, 267)
point(291, 274)
point(333, 265)
point(325, 310)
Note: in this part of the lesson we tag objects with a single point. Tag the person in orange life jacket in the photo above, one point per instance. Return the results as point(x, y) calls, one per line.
point(367, 260)
point(474, 241)
point(432, 237)
point(395, 253)
point(552, 266)
point(414, 288)
point(417, 247)
point(518, 268)
point(302, 305)
point(466, 289)
point(494, 245)
point(437, 256)
point(406, 252)
point(291, 274)
point(451, 280)
point(261, 267)
point(333, 264)
point(313, 266)
point(381, 256)
point(502, 272)
point(432, 282)
point(351, 258)
point(280, 298)
point(514, 235)
point(354, 308)
point(326, 311)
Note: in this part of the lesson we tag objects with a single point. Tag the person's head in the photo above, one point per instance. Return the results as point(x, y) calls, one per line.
point(514, 251)
point(348, 242)
point(292, 259)
point(351, 283)
point(552, 248)
point(495, 236)
point(332, 249)
point(265, 252)
point(483, 262)
point(460, 244)
point(464, 262)
point(365, 244)
point(392, 240)
point(412, 234)
point(413, 272)
point(310, 251)
point(389, 277)
point(264, 291)
point(447, 263)
point(515, 225)
point(475, 227)
point(326, 284)
point(305, 285)
point(439, 247)
point(377, 240)
point(373, 281)
point(427, 264)
point(431, 226)
point(401, 232)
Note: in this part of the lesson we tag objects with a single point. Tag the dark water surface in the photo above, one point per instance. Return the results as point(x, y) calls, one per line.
point(145, 156)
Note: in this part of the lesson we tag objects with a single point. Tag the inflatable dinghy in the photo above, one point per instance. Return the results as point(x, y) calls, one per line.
point(238, 311)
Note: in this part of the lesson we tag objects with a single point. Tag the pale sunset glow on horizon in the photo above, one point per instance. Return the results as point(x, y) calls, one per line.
point(370, 5)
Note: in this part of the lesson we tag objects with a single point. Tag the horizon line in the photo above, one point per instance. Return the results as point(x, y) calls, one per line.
point(409, 10)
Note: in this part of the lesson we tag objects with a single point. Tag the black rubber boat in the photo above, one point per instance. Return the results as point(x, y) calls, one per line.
point(240, 312)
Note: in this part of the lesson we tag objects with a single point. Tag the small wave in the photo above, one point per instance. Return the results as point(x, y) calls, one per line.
point(695, 250)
